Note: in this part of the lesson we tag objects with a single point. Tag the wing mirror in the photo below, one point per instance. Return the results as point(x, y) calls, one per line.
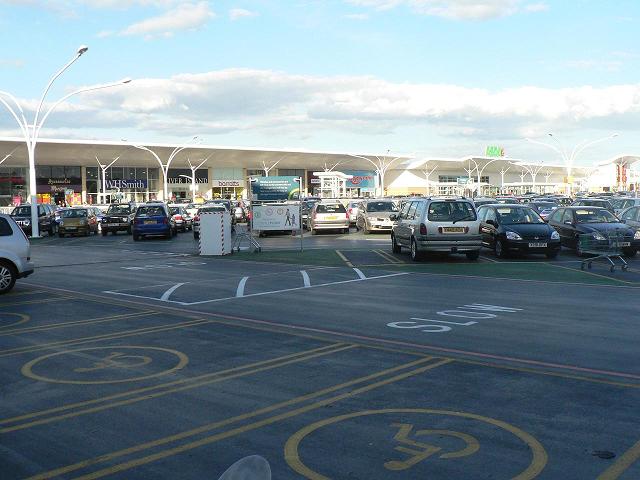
point(492, 223)
point(568, 222)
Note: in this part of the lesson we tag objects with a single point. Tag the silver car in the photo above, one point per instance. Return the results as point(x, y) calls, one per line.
point(352, 209)
point(329, 216)
point(375, 215)
point(15, 254)
point(631, 216)
point(620, 204)
point(438, 225)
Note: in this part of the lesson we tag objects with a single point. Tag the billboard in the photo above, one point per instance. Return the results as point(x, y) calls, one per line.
point(361, 179)
point(276, 217)
point(494, 151)
point(127, 184)
point(275, 188)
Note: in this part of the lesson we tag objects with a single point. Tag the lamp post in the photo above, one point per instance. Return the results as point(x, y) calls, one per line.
point(381, 164)
point(165, 167)
point(569, 159)
point(194, 186)
point(533, 170)
point(8, 155)
point(31, 132)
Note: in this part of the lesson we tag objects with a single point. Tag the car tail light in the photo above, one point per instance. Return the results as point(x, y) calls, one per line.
point(196, 218)
point(349, 212)
point(178, 217)
point(423, 229)
point(346, 215)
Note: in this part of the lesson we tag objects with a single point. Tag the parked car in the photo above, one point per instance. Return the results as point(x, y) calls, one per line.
point(227, 204)
point(622, 203)
point(46, 218)
point(375, 215)
point(118, 218)
point(181, 217)
point(153, 218)
point(352, 209)
point(543, 208)
point(517, 228)
point(631, 217)
point(437, 225)
point(327, 215)
point(571, 222)
point(77, 221)
point(594, 202)
point(240, 213)
point(483, 201)
point(15, 254)
point(506, 199)
point(204, 209)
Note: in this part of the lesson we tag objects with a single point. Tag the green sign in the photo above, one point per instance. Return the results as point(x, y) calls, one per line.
point(494, 151)
point(275, 188)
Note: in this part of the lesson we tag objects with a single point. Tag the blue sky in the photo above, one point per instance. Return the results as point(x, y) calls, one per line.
point(439, 77)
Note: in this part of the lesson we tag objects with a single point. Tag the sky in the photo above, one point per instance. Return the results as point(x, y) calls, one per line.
point(442, 78)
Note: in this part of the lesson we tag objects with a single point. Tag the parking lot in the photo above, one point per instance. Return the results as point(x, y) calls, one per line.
point(144, 360)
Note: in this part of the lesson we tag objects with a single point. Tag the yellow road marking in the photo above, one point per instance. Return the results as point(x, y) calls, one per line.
point(51, 326)
point(389, 258)
point(194, 382)
point(31, 302)
point(239, 430)
point(344, 259)
point(591, 273)
point(621, 465)
point(97, 338)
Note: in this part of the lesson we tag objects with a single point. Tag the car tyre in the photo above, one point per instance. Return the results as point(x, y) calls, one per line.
point(365, 230)
point(395, 247)
point(416, 255)
point(499, 249)
point(473, 255)
point(8, 277)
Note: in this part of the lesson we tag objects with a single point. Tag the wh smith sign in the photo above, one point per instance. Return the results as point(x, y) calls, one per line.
point(127, 184)
point(361, 179)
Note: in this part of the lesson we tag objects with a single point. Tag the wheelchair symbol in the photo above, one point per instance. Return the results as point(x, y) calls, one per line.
point(116, 360)
point(420, 451)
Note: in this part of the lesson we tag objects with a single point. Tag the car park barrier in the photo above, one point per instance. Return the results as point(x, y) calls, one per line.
point(606, 246)
point(215, 233)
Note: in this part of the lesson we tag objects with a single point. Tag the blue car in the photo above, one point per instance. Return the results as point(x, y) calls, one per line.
point(153, 218)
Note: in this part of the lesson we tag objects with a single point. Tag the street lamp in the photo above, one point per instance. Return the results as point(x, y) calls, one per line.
point(104, 169)
point(381, 164)
point(194, 186)
point(165, 167)
point(31, 132)
point(569, 159)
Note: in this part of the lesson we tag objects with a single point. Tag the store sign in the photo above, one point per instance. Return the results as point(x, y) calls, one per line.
point(361, 179)
point(494, 151)
point(275, 188)
point(58, 185)
point(227, 183)
point(126, 184)
point(178, 176)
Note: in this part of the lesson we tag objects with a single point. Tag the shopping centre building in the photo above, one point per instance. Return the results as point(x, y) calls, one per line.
point(69, 171)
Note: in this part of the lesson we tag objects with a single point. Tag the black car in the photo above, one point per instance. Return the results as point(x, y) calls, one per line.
point(594, 202)
point(118, 218)
point(571, 222)
point(516, 228)
point(46, 218)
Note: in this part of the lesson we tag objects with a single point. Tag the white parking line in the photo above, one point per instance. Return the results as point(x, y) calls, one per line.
point(165, 296)
point(360, 274)
point(241, 284)
point(305, 278)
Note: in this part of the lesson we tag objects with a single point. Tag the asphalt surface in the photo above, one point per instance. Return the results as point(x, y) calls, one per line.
point(143, 360)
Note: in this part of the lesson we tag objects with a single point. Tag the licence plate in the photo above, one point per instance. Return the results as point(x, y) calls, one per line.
point(331, 218)
point(537, 245)
point(71, 228)
point(453, 229)
point(625, 244)
point(149, 222)
point(113, 224)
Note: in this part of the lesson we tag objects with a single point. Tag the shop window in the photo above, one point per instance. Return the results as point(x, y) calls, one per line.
point(141, 173)
point(153, 173)
point(43, 171)
point(92, 173)
point(116, 173)
point(129, 173)
point(57, 172)
point(72, 172)
point(291, 172)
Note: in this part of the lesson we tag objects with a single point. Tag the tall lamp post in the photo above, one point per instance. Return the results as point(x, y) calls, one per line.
point(8, 155)
point(31, 132)
point(194, 185)
point(165, 166)
point(104, 168)
point(381, 164)
point(569, 158)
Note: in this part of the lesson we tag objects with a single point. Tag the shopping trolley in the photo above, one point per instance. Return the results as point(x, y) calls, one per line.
point(605, 246)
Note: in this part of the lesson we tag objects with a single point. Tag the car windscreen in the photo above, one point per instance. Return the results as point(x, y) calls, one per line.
point(119, 210)
point(618, 202)
point(595, 215)
point(543, 205)
point(330, 208)
point(150, 212)
point(74, 213)
point(451, 212)
point(218, 208)
point(518, 215)
point(382, 207)
point(174, 210)
point(21, 211)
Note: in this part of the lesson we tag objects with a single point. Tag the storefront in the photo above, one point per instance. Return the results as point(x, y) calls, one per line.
point(180, 184)
point(59, 185)
point(361, 184)
point(228, 183)
point(123, 184)
point(13, 189)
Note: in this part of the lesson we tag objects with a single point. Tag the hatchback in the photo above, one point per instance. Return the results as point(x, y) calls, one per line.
point(153, 219)
point(15, 254)
point(77, 221)
point(437, 225)
point(376, 215)
point(329, 216)
point(631, 217)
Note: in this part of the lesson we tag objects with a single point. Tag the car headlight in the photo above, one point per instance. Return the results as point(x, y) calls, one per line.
point(555, 235)
point(513, 235)
point(636, 236)
point(598, 236)
point(27, 222)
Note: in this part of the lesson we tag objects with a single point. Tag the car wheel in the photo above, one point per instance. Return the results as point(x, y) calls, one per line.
point(629, 252)
point(416, 255)
point(8, 277)
point(474, 255)
point(395, 248)
point(499, 249)
point(552, 255)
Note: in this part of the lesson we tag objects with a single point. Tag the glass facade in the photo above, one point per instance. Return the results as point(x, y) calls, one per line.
point(13, 186)
point(132, 191)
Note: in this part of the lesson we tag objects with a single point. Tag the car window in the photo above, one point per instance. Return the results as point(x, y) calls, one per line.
point(557, 216)
point(330, 208)
point(23, 210)
point(150, 211)
point(5, 228)
point(451, 211)
point(405, 210)
point(631, 214)
point(491, 215)
point(74, 213)
point(568, 216)
point(594, 215)
point(482, 214)
point(382, 207)
point(119, 210)
point(518, 215)
point(411, 215)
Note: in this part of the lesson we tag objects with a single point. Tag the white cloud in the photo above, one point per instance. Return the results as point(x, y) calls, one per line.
point(357, 16)
point(239, 13)
point(456, 9)
point(186, 16)
point(606, 65)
